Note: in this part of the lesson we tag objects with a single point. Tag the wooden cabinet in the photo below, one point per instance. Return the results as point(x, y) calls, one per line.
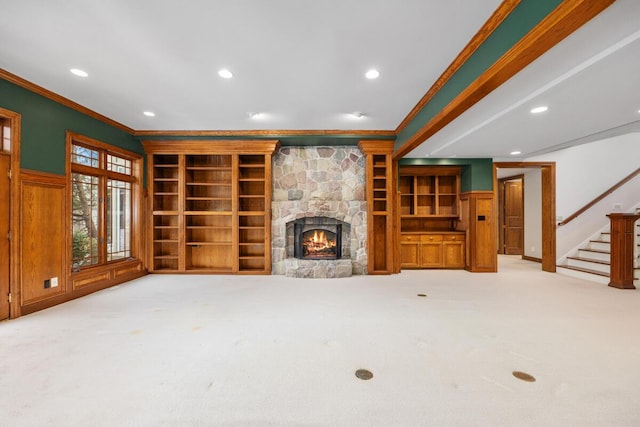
point(429, 212)
point(432, 250)
point(429, 192)
point(380, 206)
point(211, 206)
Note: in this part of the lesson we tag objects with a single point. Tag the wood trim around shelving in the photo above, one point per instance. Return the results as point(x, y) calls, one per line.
point(241, 146)
point(19, 81)
point(480, 37)
point(560, 23)
point(267, 133)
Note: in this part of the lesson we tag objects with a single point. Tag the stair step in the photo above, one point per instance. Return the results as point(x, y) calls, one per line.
point(584, 274)
point(589, 263)
point(585, 270)
point(593, 260)
point(599, 245)
point(598, 254)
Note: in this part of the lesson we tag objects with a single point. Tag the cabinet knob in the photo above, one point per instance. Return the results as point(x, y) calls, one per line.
point(430, 238)
point(453, 238)
point(409, 238)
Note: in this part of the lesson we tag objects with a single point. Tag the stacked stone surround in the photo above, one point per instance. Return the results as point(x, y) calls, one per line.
point(319, 181)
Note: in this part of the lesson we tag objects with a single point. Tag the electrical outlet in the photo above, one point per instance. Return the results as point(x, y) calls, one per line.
point(47, 283)
point(54, 282)
point(617, 206)
point(533, 248)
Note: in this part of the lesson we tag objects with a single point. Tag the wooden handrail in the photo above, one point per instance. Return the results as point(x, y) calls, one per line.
point(580, 211)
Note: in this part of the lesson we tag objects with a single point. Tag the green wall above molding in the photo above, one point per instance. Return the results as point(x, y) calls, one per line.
point(44, 126)
point(477, 174)
point(520, 21)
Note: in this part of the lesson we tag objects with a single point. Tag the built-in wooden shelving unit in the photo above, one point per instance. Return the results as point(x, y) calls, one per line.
point(429, 210)
point(380, 192)
point(211, 206)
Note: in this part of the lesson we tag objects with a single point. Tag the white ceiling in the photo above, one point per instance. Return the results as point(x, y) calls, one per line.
point(301, 63)
point(590, 82)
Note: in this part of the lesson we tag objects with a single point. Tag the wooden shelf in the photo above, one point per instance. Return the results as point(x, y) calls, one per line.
point(429, 210)
point(211, 206)
point(380, 195)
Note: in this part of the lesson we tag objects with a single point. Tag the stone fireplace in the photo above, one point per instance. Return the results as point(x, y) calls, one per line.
point(319, 189)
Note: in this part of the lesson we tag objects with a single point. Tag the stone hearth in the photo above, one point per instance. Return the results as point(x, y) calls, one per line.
point(319, 181)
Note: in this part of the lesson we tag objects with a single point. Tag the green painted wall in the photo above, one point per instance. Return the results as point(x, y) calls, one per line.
point(477, 174)
point(44, 126)
point(523, 18)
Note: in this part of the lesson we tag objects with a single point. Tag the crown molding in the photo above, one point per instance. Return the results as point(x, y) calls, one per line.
point(19, 81)
point(265, 133)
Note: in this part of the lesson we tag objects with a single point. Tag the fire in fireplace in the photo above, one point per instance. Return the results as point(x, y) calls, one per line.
point(319, 243)
point(315, 241)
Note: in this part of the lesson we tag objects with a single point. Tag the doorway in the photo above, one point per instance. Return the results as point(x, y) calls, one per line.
point(546, 204)
point(5, 207)
point(511, 215)
point(9, 168)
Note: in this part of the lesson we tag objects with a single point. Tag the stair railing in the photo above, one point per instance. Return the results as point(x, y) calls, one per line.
point(600, 197)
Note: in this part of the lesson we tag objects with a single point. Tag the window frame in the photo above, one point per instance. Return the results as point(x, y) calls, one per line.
point(104, 175)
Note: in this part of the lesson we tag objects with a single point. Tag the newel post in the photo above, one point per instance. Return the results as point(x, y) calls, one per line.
point(622, 235)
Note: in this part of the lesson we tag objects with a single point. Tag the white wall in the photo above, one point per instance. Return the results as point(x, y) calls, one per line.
point(583, 173)
point(586, 171)
point(533, 213)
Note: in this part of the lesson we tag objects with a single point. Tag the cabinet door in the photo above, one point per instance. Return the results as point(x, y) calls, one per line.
point(410, 254)
point(453, 254)
point(431, 254)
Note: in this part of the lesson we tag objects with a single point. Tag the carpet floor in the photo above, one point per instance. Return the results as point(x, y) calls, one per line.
point(172, 350)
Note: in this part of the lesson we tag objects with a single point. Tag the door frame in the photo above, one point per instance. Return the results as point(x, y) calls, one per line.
point(14, 211)
point(501, 219)
point(548, 173)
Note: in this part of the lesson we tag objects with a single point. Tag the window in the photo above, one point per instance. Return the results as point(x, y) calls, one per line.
point(5, 132)
point(103, 179)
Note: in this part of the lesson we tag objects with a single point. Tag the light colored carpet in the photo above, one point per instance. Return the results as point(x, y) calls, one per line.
point(171, 350)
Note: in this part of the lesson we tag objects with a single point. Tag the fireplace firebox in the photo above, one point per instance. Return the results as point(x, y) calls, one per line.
point(319, 239)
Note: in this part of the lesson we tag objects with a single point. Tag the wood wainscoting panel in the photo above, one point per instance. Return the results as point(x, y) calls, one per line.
point(81, 281)
point(482, 233)
point(42, 236)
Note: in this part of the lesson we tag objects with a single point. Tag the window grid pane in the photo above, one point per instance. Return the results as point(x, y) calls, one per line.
point(85, 156)
point(118, 220)
point(118, 164)
point(6, 138)
point(85, 199)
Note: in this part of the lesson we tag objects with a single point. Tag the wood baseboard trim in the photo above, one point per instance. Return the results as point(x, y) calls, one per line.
point(533, 259)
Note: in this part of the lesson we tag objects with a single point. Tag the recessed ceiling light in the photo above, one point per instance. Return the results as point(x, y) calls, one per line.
point(225, 74)
point(541, 109)
point(372, 74)
point(254, 115)
point(515, 153)
point(78, 72)
point(358, 114)
point(149, 114)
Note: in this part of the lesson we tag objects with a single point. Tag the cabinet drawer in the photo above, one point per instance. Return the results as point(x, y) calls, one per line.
point(454, 238)
point(410, 238)
point(431, 238)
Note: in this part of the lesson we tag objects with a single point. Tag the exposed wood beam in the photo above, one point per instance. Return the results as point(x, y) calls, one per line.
point(561, 22)
point(487, 29)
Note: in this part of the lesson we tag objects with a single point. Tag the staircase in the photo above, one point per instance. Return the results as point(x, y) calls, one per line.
point(592, 261)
